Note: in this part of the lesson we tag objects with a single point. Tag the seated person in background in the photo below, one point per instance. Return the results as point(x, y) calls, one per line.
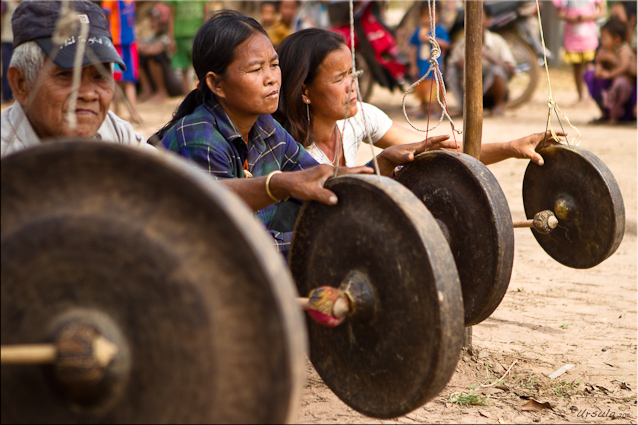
point(225, 125)
point(616, 74)
point(498, 67)
point(316, 68)
point(625, 11)
point(157, 79)
point(267, 14)
point(286, 24)
point(43, 94)
point(41, 78)
point(421, 53)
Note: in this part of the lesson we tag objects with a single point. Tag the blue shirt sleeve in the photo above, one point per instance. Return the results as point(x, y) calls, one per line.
point(295, 156)
point(442, 33)
point(415, 38)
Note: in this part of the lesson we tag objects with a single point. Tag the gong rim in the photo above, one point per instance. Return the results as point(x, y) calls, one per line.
point(474, 209)
point(408, 351)
point(594, 230)
point(78, 210)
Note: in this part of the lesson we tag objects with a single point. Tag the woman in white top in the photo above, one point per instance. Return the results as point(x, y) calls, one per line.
point(316, 71)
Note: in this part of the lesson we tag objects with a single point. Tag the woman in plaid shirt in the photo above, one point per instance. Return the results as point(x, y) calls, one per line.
point(225, 127)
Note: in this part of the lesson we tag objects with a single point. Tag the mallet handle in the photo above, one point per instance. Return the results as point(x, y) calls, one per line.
point(340, 309)
point(29, 354)
point(552, 221)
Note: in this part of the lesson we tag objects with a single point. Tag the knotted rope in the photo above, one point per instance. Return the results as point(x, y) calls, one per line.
point(553, 106)
point(435, 53)
point(355, 84)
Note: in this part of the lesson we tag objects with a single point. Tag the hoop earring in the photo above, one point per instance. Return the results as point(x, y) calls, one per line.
point(308, 112)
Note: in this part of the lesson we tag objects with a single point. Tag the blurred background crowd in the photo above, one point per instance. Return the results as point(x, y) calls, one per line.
point(595, 38)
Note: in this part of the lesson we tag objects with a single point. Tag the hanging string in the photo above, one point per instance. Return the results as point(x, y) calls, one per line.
point(553, 106)
point(435, 71)
point(355, 84)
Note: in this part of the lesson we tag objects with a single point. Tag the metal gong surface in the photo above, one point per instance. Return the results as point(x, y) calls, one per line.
point(405, 348)
point(584, 195)
point(202, 307)
point(469, 205)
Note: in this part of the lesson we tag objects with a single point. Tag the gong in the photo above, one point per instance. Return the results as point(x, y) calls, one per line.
point(164, 264)
point(469, 205)
point(583, 194)
point(400, 345)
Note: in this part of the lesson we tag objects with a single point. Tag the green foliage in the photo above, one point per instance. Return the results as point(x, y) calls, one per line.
point(468, 399)
point(566, 388)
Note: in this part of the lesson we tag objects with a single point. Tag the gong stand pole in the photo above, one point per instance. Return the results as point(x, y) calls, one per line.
point(29, 354)
point(473, 79)
point(473, 94)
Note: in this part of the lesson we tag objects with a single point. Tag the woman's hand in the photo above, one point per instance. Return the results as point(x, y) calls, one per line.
point(396, 155)
point(528, 147)
point(437, 143)
point(308, 184)
point(524, 148)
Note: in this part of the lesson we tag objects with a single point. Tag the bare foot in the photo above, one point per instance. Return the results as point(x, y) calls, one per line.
point(498, 111)
point(157, 97)
point(144, 97)
point(581, 102)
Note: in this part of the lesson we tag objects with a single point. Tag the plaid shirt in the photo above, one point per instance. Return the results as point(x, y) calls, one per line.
point(208, 137)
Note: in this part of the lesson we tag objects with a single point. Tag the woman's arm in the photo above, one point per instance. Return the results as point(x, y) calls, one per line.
point(523, 148)
point(401, 135)
point(306, 185)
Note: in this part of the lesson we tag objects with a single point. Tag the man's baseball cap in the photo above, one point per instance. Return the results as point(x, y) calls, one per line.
point(57, 30)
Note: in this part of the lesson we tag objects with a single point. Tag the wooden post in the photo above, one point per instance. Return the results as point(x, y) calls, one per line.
point(473, 77)
point(473, 94)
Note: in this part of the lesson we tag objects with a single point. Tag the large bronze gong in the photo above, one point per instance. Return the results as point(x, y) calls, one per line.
point(583, 195)
point(469, 205)
point(163, 262)
point(400, 346)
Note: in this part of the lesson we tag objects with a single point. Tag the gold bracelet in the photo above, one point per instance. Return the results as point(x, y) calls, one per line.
point(272, 173)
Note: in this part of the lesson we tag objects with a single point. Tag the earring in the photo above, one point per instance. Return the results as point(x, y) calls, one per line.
point(308, 111)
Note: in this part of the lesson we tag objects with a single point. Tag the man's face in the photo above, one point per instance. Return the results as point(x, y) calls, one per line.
point(49, 101)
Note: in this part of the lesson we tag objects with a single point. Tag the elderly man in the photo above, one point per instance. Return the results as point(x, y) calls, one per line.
point(41, 76)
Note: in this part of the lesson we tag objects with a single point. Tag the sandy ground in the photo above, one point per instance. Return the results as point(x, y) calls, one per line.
point(551, 315)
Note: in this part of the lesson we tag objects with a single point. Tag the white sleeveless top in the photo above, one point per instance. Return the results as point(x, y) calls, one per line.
point(355, 133)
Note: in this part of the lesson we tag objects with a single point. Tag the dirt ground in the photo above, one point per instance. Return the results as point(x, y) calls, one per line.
point(551, 316)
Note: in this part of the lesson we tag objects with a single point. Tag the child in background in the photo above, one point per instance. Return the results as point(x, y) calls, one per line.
point(625, 11)
point(581, 39)
point(121, 17)
point(267, 14)
point(616, 64)
point(184, 20)
point(421, 53)
point(286, 24)
point(157, 79)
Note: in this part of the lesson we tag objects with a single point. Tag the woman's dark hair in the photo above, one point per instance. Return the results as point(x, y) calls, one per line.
point(615, 27)
point(213, 50)
point(300, 55)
